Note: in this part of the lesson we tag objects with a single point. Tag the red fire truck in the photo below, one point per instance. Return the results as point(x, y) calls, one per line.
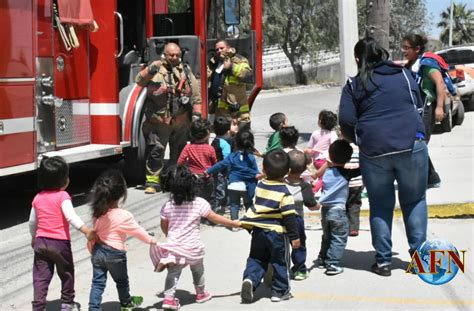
point(66, 90)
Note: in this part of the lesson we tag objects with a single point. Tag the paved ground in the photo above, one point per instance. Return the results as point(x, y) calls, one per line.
point(356, 288)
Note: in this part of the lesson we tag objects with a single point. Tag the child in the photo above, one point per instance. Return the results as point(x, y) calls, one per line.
point(180, 218)
point(222, 148)
point(289, 136)
point(303, 195)
point(112, 225)
point(243, 171)
point(320, 140)
point(333, 213)
point(199, 156)
point(277, 121)
point(272, 222)
point(50, 216)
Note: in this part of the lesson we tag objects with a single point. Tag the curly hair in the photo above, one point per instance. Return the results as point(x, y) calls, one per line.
point(199, 129)
point(53, 173)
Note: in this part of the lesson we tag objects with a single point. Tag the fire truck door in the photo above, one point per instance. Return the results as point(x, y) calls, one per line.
point(71, 85)
point(17, 139)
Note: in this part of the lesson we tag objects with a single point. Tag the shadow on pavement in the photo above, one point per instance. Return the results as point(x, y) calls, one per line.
point(358, 260)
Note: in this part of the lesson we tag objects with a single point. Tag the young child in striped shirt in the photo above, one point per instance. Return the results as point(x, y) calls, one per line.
point(180, 219)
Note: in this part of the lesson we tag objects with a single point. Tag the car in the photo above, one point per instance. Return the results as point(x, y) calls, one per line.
point(461, 61)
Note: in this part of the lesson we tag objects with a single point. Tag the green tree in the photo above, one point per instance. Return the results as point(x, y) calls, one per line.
point(301, 28)
point(463, 25)
point(402, 23)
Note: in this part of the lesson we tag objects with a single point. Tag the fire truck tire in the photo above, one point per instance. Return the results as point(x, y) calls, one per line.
point(134, 169)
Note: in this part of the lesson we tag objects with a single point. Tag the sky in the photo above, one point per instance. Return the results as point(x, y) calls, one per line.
point(435, 7)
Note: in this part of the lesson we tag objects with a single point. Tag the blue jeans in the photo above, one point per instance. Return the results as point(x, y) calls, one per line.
point(298, 256)
point(219, 198)
point(335, 232)
point(410, 170)
point(105, 258)
point(268, 247)
point(234, 198)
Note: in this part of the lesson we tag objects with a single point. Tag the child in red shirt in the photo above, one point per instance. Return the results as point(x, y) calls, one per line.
point(199, 156)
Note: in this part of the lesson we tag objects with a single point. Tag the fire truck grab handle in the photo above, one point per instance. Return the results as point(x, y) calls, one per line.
point(121, 34)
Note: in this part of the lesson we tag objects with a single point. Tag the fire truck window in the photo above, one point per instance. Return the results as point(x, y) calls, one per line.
point(217, 27)
point(177, 21)
point(179, 6)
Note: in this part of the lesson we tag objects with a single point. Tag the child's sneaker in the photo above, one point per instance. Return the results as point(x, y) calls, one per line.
point(333, 270)
point(203, 297)
point(277, 297)
point(73, 306)
point(135, 301)
point(301, 275)
point(246, 293)
point(320, 264)
point(171, 303)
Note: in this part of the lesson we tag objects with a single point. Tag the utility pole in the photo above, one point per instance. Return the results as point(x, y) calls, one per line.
point(348, 37)
point(451, 24)
point(378, 21)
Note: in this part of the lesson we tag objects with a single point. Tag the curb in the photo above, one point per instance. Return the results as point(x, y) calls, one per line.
point(306, 88)
point(455, 210)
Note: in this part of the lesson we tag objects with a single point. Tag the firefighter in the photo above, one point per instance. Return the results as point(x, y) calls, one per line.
point(228, 74)
point(173, 98)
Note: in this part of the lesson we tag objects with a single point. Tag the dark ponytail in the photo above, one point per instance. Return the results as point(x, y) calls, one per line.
point(368, 53)
point(244, 141)
point(108, 187)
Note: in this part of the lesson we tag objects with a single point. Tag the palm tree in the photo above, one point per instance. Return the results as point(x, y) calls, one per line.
point(463, 25)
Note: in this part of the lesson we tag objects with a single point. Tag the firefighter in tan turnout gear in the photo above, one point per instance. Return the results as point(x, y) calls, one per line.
point(228, 74)
point(173, 98)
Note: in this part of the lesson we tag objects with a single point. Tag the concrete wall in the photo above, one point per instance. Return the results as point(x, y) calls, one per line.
point(328, 72)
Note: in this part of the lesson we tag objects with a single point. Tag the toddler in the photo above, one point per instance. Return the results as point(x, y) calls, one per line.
point(199, 156)
point(112, 225)
point(277, 121)
point(243, 171)
point(50, 216)
point(180, 219)
point(320, 140)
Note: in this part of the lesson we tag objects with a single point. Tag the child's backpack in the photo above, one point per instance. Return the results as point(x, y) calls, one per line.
point(436, 61)
point(216, 144)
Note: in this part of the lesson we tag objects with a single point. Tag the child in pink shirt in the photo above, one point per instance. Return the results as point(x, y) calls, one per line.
point(180, 219)
point(50, 216)
point(112, 226)
point(320, 141)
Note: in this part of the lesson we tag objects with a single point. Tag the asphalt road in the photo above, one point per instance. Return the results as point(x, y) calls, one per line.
point(356, 288)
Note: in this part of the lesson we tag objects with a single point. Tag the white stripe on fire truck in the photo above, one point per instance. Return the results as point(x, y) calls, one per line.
point(15, 126)
point(17, 169)
point(105, 109)
point(80, 107)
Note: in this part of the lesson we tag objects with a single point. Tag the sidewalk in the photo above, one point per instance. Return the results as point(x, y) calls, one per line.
point(226, 253)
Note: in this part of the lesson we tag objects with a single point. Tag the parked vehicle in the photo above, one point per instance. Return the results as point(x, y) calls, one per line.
point(66, 73)
point(461, 59)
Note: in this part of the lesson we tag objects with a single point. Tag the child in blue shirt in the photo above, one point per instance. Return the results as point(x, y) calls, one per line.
point(333, 212)
point(243, 171)
point(223, 148)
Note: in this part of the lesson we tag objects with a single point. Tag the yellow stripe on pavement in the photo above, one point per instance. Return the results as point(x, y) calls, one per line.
point(387, 300)
point(457, 210)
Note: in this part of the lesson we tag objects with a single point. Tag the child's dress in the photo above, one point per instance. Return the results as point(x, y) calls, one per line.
point(183, 245)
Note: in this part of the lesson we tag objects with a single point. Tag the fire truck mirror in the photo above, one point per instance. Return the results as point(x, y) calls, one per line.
point(232, 12)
